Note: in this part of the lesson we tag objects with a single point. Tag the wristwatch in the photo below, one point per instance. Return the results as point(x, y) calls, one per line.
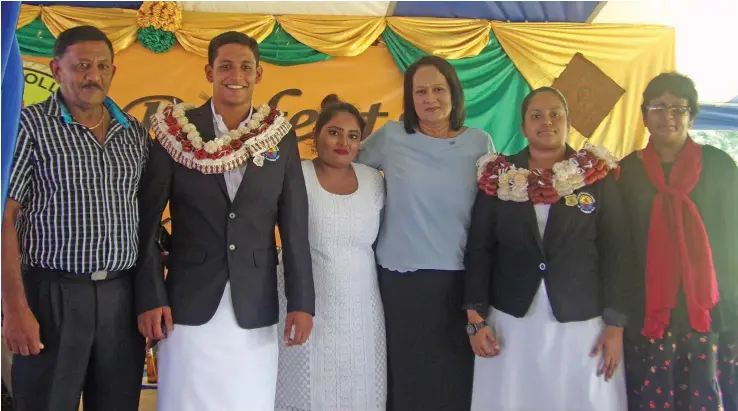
point(472, 329)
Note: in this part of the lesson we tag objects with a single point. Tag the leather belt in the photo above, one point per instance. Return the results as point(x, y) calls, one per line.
point(96, 276)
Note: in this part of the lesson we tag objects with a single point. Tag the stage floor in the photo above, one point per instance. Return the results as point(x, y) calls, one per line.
point(148, 400)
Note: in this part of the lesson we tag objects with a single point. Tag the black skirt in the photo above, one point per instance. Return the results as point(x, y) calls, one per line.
point(678, 372)
point(429, 358)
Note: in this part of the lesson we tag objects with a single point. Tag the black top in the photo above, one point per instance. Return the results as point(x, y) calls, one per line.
point(716, 198)
point(216, 240)
point(581, 257)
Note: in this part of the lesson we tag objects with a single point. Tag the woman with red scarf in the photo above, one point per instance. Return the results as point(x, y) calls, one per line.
point(682, 204)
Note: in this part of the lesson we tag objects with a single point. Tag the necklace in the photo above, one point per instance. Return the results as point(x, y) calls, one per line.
point(98, 123)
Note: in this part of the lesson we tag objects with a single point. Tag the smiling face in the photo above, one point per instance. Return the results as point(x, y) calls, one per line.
point(338, 142)
point(545, 124)
point(431, 95)
point(234, 74)
point(84, 73)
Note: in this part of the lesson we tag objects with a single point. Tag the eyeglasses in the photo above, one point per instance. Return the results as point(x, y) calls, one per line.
point(677, 111)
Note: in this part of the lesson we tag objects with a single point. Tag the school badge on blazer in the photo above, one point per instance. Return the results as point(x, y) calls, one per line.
point(586, 202)
point(272, 154)
point(571, 200)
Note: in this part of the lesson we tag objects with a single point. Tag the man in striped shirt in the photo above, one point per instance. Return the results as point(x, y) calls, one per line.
point(69, 239)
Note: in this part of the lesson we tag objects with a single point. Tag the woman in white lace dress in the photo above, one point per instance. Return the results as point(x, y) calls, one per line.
point(343, 365)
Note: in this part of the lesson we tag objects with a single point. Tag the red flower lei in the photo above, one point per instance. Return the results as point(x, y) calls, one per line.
point(544, 186)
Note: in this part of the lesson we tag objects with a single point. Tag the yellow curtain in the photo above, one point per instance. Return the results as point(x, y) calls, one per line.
point(118, 24)
point(334, 35)
point(447, 38)
point(27, 14)
point(631, 55)
point(198, 28)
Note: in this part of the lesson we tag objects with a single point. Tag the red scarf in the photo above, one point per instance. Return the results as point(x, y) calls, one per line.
point(678, 247)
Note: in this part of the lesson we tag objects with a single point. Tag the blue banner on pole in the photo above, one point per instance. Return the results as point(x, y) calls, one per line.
point(12, 91)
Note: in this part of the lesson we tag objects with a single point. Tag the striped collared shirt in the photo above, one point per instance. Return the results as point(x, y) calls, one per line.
point(79, 198)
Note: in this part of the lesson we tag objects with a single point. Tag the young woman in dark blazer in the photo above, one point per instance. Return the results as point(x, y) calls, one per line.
point(545, 281)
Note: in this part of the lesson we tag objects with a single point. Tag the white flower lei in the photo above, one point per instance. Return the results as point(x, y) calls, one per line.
point(227, 153)
point(568, 175)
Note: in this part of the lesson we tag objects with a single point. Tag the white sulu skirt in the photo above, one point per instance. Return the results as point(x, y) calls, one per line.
point(218, 366)
point(545, 365)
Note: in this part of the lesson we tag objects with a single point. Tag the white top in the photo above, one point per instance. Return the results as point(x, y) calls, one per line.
point(542, 216)
point(343, 365)
point(233, 177)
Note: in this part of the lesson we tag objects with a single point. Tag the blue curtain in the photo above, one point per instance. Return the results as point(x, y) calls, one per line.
point(12, 91)
point(718, 117)
point(516, 11)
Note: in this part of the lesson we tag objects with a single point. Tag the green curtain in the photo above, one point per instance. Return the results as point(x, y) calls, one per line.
point(282, 49)
point(278, 48)
point(35, 39)
point(493, 88)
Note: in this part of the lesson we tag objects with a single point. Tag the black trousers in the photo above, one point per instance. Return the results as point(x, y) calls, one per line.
point(678, 372)
point(429, 358)
point(91, 346)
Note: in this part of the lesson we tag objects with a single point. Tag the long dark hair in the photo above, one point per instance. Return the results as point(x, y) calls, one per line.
point(458, 111)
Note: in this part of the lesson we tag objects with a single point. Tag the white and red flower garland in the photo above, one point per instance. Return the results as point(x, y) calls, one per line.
point(498, 177)
point(184, 143)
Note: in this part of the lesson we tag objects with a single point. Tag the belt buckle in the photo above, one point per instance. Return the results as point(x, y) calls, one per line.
point(99, 275)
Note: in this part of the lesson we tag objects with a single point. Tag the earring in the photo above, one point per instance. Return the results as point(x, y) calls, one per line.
point(313, 144)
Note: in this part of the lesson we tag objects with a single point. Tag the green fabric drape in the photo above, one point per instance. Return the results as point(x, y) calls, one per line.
point(282, 49)
point(279, 48)
point(493, 88)
point(35, 39)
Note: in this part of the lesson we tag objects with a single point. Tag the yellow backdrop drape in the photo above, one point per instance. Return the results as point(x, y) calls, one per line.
point(118, 24)
point(332, 35)
point(27, 14)
point(199, 28)
point(447, 38)
point(631, 55)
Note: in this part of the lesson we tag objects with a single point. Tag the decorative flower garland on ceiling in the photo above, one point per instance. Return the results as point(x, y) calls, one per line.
point(158, 20)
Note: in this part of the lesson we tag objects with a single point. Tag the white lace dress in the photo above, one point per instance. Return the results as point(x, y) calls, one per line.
point(343, 365)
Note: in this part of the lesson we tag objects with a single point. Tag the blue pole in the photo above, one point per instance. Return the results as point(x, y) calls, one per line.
point(11, 96)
